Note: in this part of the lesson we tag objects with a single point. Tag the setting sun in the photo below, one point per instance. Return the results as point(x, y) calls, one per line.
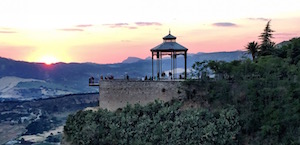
point(49, 60)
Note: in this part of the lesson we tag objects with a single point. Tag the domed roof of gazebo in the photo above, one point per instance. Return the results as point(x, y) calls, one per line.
point(168, 46)
point(169, 37)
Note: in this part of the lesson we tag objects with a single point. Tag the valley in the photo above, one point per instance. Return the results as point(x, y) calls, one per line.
point(40, 120)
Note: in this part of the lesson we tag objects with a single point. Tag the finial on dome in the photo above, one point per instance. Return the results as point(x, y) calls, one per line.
point(169, 31)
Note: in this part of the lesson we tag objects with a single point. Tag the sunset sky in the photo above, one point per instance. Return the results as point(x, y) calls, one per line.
point(110, 31)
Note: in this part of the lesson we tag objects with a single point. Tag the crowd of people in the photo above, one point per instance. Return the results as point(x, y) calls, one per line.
point(162, 77)
point(126, 77)
point(108, 77)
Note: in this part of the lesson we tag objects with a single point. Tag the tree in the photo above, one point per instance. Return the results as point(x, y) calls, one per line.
point(252, 48)
point(294, 53)
point(267, 46)
point(199, 69)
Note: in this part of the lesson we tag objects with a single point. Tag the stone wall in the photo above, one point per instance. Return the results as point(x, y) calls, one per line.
point(115, 94)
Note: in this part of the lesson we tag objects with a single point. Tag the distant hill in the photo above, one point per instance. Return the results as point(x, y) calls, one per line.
point(131, 60)
point(283, 43)
point(25, 81)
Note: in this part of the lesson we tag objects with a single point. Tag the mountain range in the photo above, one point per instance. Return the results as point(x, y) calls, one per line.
point(20, 80)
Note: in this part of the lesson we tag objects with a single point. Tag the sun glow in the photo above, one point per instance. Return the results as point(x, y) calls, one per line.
point(49, 60)
point(82, 31)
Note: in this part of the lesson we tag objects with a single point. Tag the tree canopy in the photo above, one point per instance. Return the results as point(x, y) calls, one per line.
point(265, 93)
point(155, 123)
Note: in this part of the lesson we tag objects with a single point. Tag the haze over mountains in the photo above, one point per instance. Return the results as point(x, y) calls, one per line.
point(25, 81)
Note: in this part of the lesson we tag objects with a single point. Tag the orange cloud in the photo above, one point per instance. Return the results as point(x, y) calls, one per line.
point(84, 25)
point(259, 19)
point(7, 31)
point(71, 30)
point(224, 24)
point(117, 25)
point(148, 23)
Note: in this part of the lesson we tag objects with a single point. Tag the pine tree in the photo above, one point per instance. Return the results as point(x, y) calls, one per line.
point(267, 46)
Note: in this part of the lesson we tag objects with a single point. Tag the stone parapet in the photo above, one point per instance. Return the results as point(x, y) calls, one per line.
point(116, 94)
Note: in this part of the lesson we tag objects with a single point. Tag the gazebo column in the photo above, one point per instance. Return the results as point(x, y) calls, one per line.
point(157, 65)
point(171, 69)
point(185, 56)
point(175, 66)
point(172, 65)
point(160, 65)
point(152, 65)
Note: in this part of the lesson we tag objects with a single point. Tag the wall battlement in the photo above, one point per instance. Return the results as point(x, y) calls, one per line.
point(115, 94)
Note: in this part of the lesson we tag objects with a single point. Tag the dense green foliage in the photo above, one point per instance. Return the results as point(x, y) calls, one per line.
point(155, 123)
point(265, 92)
point(53, 138)
point(43, 124)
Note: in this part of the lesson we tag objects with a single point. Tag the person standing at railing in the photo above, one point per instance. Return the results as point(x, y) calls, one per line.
point(91, 80)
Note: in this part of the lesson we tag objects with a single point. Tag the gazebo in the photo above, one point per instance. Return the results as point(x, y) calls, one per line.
point(172, 48)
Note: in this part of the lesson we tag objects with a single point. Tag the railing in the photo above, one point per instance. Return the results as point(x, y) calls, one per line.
point(93, 83)
point(134, 80)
